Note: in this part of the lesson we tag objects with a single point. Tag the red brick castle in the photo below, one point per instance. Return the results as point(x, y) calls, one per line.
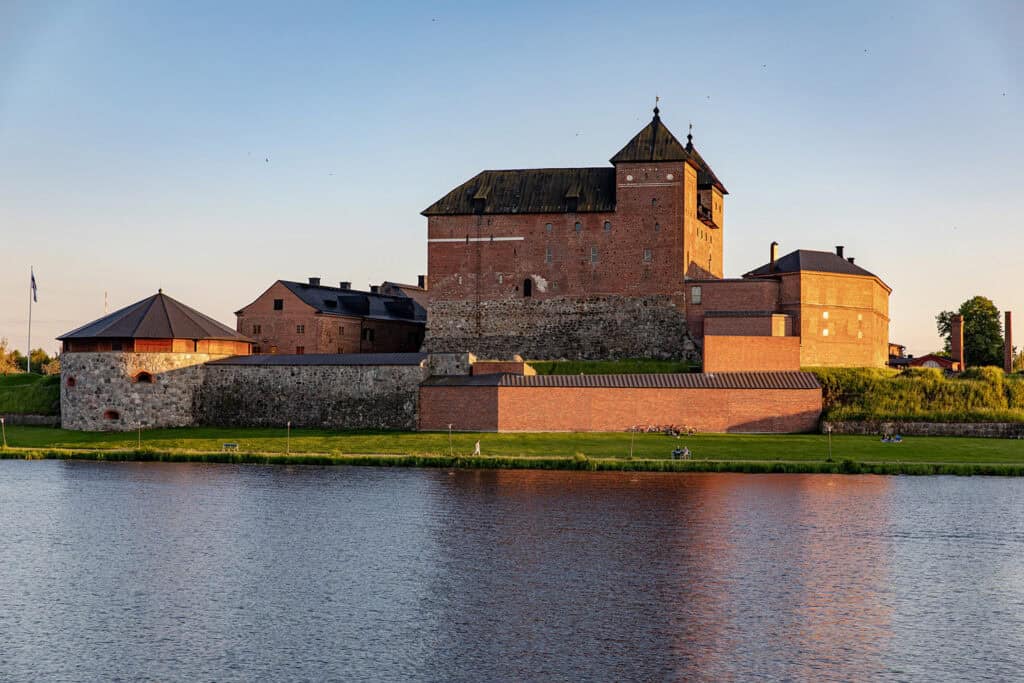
point(626, 261)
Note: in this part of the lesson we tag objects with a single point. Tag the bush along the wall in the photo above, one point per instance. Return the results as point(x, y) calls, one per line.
point(920, 394)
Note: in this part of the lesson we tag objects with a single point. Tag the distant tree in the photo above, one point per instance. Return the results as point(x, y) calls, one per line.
point(39, 359)
point(983, 333)
point(52, 367)
point(7, 364)
point(1018, 359)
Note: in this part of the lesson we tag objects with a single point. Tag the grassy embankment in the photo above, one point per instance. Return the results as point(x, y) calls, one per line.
point(30, 394)
point(603, 451)
point(921, 395)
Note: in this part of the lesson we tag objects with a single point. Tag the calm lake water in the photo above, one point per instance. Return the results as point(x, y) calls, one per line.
point(217, 572)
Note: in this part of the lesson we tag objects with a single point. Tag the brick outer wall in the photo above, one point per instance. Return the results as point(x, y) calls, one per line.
point(557, 409)
point(597, 328)
point(103, 381)
point(739, 354)
point(329, 397)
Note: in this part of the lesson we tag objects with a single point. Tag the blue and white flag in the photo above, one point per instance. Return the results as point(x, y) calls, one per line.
point(34, 291)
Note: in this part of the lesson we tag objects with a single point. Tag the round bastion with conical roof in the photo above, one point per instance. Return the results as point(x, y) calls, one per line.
point(141, 366)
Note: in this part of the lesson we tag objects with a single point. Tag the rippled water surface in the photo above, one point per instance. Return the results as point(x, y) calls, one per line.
point(215, 572)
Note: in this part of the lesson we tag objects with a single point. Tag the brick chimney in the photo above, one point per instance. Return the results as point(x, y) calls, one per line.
point(314, 282)
point(344, 285)
point(839, 250)
point(1008, 343)
point(956, 344)
point(421, 282)
point(773, 256)
point(850, 259)
point(374, 289)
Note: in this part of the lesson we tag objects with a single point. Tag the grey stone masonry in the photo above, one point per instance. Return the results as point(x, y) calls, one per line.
point(324, 396)
point(996, 430)
point(600, 327)
point(103, 391)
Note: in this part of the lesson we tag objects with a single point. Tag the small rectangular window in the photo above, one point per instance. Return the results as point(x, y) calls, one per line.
point(647, 255)
point(593, 254)
point(547, 227)
point(341, 329)
point(695, 295)
point(367, 334)
point(549, 255)
point(300, 329)
point(278, 304)
point(256, 329)
point(255, 348)
point(300, 350)
point(579, 226)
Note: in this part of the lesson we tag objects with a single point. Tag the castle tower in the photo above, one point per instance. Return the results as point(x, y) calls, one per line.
point(665, 183)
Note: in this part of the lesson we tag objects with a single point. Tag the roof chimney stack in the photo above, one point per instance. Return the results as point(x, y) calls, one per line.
point(422, 281)
point(773, 257)
point(374, 289)
point(344, 285)
point(850, 259)
point(314, 282)
point(839, 250)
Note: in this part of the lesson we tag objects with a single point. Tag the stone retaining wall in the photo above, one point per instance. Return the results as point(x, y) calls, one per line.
point(31, 420)
point(592, 328)
point(996, 430)
point(325, 396)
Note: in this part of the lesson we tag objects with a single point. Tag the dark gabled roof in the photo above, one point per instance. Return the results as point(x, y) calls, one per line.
point(356, 303)
point(534, 190)
point(711, 380)
point(817, 261)
point(656, 143)
point(156, 317)
point(326, 359)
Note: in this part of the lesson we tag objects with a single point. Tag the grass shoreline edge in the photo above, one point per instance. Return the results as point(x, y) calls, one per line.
point(572, 463)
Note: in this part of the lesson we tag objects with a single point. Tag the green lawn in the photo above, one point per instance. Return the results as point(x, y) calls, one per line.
point(30, 394)
point(766, 447)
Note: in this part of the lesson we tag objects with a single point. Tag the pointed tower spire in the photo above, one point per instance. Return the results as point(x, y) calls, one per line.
point(656, 110)
point(689, 138)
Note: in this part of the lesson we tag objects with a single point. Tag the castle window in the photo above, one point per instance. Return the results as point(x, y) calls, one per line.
point(273, 349)
point(547, 227)
point(654, 201)
point(255, 348)
point(695, 295)
point(657, 227)
point(549, 255)
point(607, 226)
point(341, 329)
point(824, 332)
point(300, 329)
point(71, 382)
point(579, 226)
point(368, 334)
point(527, 287)
point(825, 315)
point(278, 304)
point(111, 415)
point(670, 177)
point(300, 350)
point(256, 329)
point(501, 277)
point(143, 378)
point(593, 254)
point(648, 256)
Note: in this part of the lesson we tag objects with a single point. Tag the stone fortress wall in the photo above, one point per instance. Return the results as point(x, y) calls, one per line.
point(584, 328)
point(112, 391)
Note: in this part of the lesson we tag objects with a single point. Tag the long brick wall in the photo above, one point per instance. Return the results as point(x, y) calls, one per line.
point(565, 409)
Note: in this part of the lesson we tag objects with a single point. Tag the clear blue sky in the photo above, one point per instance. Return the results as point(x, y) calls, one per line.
point(133, 137)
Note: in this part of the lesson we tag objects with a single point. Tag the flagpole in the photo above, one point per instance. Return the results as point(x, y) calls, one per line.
point(28, 359)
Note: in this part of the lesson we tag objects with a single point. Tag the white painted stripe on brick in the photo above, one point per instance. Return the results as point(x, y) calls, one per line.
point(476, 239)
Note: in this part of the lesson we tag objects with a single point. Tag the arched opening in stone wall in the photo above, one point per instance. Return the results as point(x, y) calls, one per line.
point(144, 377)
point(71, 381)
point(527, 287)
point(111, 415)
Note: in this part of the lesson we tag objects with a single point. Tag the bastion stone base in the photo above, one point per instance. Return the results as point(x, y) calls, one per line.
point(593, 328)
point(99, 391)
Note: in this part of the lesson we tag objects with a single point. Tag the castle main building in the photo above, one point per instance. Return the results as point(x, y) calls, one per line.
point(615, 262)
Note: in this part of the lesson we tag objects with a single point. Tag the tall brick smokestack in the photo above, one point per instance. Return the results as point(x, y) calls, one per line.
point(956, 345)
point(1008, 343)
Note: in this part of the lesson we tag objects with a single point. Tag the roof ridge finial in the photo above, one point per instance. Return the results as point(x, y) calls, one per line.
point(689, 137)
point(656, 110)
